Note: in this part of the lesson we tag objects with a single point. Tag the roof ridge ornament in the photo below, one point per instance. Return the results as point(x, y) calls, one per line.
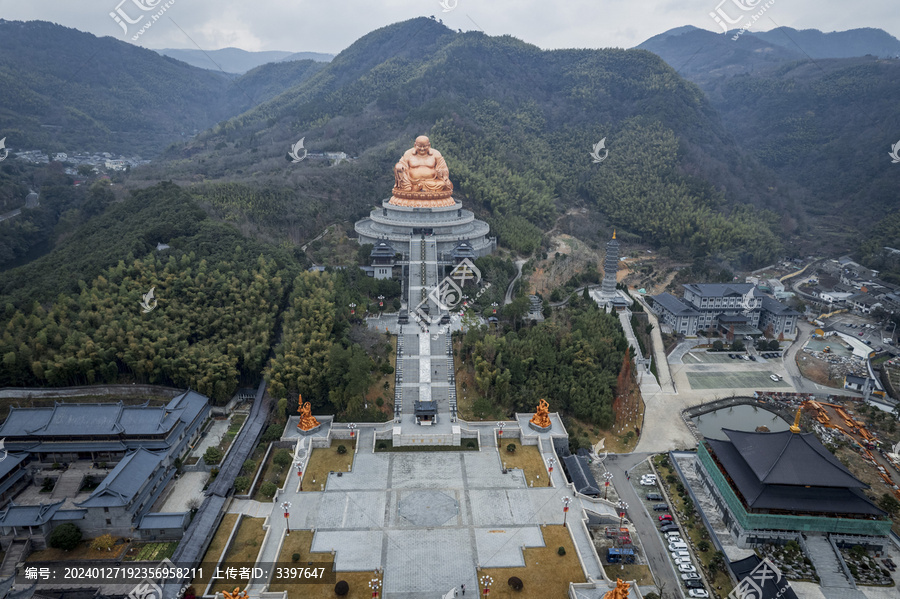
point(795, 428)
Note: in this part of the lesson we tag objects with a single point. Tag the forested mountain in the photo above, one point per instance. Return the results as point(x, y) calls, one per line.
point(68, 91)
point(825, 125)
point(836, 44)
point(703, 55)
point(235, 60)
point(516, 124)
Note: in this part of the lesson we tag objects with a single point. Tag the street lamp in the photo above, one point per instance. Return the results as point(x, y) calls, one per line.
point(381, 301)
point(566, 501)
point(500, 425)
point(550, 463)
point(286, 506)
point(607, 476)
point(352, 428)
point(623, 507)
point(486, 582)
point(352, 309)
point(494, 306)
point(374, 584)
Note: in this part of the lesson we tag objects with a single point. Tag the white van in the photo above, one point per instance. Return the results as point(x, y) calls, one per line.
point(678, 546)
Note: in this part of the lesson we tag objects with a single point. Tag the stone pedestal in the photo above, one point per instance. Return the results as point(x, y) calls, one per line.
point(540, 429)
point(311, 431)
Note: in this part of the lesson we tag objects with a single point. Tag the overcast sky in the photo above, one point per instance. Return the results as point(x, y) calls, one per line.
point(330, 26)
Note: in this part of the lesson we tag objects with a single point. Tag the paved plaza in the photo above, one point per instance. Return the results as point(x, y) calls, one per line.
point(428, 519)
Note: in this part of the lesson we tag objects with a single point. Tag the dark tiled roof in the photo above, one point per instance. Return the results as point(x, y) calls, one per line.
point(776, 307)
point(580, 475)
point(74, 420)
point(772, 587)
point(126, 479)
point(28, 515)
point(791, 459)
point(674, 305)
point(719, 289)
point(163, 520)
point(793, 496)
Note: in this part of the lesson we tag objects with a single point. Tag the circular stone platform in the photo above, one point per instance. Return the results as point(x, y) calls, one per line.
point(428, 508)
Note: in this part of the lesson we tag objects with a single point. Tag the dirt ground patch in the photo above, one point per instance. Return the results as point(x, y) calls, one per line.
point(298, 544)
point(81, 552)
point(816, 371)
point(322, 461)
point(867, 473)
point(546, 573)
point(629, 572)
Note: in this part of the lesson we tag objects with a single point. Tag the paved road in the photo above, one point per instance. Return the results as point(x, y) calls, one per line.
point(657, 555)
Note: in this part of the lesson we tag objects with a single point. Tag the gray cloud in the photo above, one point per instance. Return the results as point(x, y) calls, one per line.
point(330, 27)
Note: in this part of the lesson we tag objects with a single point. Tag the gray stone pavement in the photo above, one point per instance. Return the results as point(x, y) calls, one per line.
point(213, 436)
point(428, 519)
point(188, 486)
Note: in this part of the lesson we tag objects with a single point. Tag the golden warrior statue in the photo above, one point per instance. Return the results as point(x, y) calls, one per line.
point(542, 417)
point(620, 592)
point(307, 420)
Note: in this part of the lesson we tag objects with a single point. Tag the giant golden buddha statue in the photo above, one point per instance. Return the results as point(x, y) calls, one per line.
point(421, 178)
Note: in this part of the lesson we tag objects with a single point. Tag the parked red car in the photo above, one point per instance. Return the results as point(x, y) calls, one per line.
point(667, 517)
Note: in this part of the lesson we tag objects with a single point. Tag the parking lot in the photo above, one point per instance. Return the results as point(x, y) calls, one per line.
point(865, 329)
point(680, 558)
point(741, 379)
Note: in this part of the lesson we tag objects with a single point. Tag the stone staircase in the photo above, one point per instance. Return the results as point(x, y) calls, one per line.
point(68, 485)
point(16, 553)
point(832, 580)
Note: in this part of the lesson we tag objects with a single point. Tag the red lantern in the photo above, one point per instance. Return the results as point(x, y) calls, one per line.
point(286, 514)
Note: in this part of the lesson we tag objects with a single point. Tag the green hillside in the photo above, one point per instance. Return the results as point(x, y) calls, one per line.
point(516, 124)
point(66, 91)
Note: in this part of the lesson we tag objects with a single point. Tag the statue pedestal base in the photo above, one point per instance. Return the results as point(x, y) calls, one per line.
point(311, 431)
point(540, 429)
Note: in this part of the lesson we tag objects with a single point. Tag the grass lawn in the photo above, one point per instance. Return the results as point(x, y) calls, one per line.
point(272, 472)
point(150, 551)
point(81, 552)
point(528, 458)
point(695, 529)
point(546, 574)
point(300, 541)
point(216, 547)
point(323, 461)
point(629, 572)
point(244, 549)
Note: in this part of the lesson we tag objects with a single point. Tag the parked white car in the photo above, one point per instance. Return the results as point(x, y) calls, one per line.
point(686, 568)
point(648, 482)
point(700, 593)
point(690, 576)
point(682, 560)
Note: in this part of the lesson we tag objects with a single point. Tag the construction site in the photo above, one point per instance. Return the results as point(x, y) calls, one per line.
point(881, 458)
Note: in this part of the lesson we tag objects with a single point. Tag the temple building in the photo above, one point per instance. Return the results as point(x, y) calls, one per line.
point(773, 487)
point(108, 464)
point(736, 308)
point(422, 208)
